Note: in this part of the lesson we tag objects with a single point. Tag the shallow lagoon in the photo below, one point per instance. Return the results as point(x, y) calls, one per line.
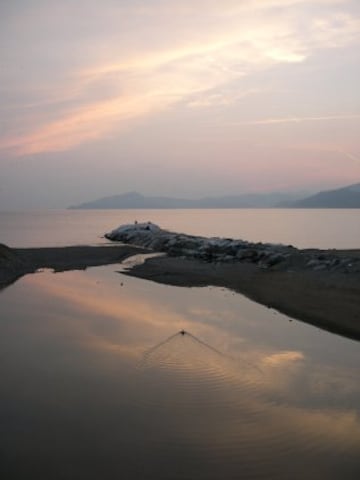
point(93, 387)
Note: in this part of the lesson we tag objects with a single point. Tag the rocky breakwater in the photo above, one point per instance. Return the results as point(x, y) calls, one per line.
point(11, 266)
point(227, 250)
point(9, 260)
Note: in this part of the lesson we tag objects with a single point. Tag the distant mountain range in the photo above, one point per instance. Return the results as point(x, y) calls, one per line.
point(346, 197)
point(133, 200)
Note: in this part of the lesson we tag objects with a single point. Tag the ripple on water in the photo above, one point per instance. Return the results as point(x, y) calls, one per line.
point(217, 405)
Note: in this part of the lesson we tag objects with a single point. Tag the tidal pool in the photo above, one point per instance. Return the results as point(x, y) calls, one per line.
point(97, 382)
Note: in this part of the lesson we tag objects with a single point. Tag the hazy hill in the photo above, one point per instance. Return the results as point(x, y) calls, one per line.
point(132, 200)
point(346, 197)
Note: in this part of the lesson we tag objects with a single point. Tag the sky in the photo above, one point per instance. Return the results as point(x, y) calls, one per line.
point(184, 98)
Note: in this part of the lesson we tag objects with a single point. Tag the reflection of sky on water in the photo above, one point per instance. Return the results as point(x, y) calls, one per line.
point(73, 394)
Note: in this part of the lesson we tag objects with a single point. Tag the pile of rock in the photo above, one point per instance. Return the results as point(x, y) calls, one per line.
point(264, 255)
point(8, 258)
point(11, 266)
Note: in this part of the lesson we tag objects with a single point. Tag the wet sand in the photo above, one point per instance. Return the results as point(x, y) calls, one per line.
point(329, 300)
point(14, 263)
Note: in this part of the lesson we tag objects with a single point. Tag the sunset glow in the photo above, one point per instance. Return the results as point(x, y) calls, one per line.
point(86, 81)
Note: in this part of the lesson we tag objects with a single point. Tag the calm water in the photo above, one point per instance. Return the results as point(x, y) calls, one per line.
point(97, 383)
point(302, 228)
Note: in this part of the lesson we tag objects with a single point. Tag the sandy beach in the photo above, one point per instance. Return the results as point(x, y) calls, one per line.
point(329, 300)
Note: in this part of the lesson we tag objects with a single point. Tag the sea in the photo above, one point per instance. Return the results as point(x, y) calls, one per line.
point(308, 228)
point(107, 376)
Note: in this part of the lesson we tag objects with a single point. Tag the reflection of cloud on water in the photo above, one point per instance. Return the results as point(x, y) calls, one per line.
point(336, 428)
point(208, 399)
point(131, 317)
point(326, 381)
point(192, 384)
point(266, 401)
point(283, 358)
point(128, 320)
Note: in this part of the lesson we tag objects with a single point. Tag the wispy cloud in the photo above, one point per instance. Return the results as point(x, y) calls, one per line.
point(280, 120)
point(202, 58)
point(352, 156)
point(85, 124)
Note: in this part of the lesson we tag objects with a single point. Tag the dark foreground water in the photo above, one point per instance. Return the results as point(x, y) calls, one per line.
point(97, 383)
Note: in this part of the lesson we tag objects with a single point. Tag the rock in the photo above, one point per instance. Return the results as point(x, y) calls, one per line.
point(275, 259)
point(8, 257)
point(319, 267)
point(131, 230)
point(312, 263)
point(265, 255)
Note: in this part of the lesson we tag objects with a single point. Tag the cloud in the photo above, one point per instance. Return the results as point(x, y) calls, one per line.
point(274, 121)
point(222, 97)
point(177, 53)
point(352, 156)
point(84, 124)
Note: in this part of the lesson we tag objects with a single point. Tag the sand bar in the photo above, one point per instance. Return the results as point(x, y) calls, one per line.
point(14, 263)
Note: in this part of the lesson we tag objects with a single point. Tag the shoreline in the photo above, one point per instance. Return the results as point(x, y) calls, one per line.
point(327, 299)
point(16, 262)
point(321, 287)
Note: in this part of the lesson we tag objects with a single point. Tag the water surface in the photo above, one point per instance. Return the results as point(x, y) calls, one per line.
point(330, 228)
point(96, 382)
